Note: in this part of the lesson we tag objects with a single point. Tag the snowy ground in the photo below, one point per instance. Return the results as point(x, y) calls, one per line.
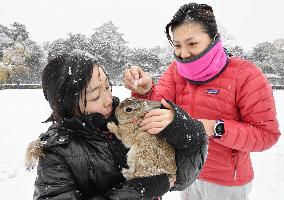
point(23, 110)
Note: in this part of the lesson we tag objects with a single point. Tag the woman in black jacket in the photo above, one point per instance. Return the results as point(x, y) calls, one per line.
point(78, 158)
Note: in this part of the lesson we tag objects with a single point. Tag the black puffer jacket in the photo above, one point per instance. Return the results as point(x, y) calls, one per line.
point(82, 160)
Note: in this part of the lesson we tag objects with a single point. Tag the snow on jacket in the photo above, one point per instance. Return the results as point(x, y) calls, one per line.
point(81, 160)
point(243, 98)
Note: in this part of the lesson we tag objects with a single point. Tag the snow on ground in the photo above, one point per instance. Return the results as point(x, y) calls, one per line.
point(22, 112)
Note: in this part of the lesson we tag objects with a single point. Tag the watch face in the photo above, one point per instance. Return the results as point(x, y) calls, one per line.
point(220, 129)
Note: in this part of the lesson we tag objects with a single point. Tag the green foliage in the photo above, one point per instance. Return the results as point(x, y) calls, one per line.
point(269, 57)
point(4, 74)
point(110, 50)
point(22, 57)
point(18, 32)
point(145, 59)
point(22, 60)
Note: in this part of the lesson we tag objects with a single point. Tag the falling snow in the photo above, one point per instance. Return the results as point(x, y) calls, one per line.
point(69, 71)
point(21, 124)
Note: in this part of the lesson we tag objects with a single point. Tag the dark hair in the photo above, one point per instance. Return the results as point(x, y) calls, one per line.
point(196, 13)
point(63, 81)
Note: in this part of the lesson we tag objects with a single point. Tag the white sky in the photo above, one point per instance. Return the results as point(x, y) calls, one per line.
point(141, 21)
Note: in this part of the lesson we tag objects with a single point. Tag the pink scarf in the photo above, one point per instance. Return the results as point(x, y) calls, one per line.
point(204, 66)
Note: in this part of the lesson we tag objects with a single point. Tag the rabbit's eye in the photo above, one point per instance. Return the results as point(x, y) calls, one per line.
point(128, 109)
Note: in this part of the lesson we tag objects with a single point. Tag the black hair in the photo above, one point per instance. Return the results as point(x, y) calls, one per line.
point(64, 80)
point(196, 13)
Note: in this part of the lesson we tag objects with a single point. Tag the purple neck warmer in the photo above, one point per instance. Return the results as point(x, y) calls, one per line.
point(204, 66)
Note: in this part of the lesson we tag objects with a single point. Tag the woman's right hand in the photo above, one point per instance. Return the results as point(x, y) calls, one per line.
point(137, 80)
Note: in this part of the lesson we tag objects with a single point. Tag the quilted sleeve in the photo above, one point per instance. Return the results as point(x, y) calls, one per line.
point(258, 128)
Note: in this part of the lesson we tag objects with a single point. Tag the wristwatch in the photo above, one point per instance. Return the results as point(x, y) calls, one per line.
point(219, 129)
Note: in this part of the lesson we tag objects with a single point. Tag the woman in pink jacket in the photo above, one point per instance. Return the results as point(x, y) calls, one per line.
point(229, 95)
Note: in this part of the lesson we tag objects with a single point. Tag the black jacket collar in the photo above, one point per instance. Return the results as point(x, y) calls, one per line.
point(90, 126)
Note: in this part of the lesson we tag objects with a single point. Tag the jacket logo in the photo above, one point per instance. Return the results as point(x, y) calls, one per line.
point(212, 91)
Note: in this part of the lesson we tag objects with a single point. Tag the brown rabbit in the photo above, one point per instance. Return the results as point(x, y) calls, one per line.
point(148, 154)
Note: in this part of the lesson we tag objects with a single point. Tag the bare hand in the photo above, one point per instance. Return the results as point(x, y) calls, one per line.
point(137, 80)
point(156, 120)
point(172, 182)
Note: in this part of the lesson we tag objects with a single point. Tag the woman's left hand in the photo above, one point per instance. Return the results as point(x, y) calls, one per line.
point(156, 120)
